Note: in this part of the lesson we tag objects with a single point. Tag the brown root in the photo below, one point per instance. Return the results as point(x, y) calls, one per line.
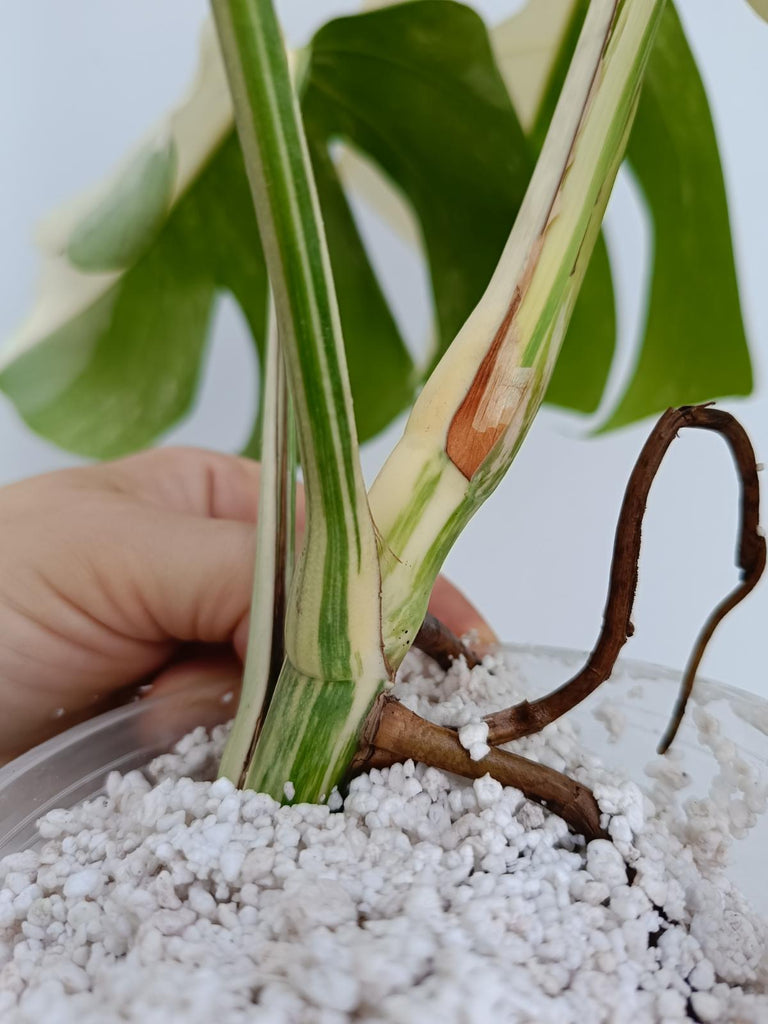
point(440, 644)
point(393, 734)
point(530, 717)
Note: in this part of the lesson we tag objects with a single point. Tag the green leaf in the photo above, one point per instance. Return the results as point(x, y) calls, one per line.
point(125, 222)
point(438, 122)
point(475, 409)
point(582, 368)
point(415, 87)
point(381, 373)
point(584, 362)
point(695, 346)
point(125, 368)
point(436, 118)
point(110, 356)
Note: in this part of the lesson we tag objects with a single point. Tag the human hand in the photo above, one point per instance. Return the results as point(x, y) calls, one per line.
point(131, 571)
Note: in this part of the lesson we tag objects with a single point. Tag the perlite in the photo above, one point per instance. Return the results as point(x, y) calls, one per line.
point(426, 897)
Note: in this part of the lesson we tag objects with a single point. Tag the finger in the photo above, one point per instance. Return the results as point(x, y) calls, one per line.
point(197, 481)
point(175, 577)
point(194, 576)
point(190, 480)
point(449, 605)
point(201, 691)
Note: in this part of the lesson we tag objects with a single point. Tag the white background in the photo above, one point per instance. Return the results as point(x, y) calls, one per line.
point(80, 80)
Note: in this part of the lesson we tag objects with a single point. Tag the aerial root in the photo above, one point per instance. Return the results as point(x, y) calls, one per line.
point(393, 733)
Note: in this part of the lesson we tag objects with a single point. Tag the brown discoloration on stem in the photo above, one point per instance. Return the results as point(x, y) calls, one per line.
point(469, 439)
point(393, 733)
point(438, 642)
point(531, 717)
point(490, 404)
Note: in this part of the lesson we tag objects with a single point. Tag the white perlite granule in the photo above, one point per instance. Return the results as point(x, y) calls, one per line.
point(472, 737)
point(612, 718)
point(174, 900)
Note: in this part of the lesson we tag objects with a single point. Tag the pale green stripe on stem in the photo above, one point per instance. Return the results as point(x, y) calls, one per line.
point(333, 624)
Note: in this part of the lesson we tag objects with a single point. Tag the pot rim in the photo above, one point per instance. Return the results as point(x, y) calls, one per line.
point(124, 715)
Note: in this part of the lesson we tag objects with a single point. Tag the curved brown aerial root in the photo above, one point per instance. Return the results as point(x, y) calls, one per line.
point(438, 642)
point(393, 734)
point(530, 717)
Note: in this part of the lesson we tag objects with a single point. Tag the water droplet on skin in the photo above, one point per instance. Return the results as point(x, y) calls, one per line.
point(227, 697)
point(59, 712)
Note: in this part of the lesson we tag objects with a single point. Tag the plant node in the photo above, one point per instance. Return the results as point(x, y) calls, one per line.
point(393, 733)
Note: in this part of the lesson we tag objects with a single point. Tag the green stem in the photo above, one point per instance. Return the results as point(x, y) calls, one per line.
point(333, 622)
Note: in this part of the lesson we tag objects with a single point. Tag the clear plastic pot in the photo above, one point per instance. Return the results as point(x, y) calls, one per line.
point(636, 703)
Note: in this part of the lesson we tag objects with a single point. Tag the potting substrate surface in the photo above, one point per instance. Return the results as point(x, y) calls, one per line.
point(423, 897)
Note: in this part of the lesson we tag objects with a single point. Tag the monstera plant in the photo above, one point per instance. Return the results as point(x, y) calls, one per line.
point(453, 119)
point(498, 151)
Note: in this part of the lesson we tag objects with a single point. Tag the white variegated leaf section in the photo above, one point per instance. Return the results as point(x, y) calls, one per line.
point(526, 47)
point(761, 6)
point(193, 129)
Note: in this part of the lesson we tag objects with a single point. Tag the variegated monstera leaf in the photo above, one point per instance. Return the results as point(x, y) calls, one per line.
point(448, 131)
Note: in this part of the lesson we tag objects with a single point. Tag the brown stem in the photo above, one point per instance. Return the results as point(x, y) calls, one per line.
point(437, 641)
point(526, 718)
point(393, 733)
